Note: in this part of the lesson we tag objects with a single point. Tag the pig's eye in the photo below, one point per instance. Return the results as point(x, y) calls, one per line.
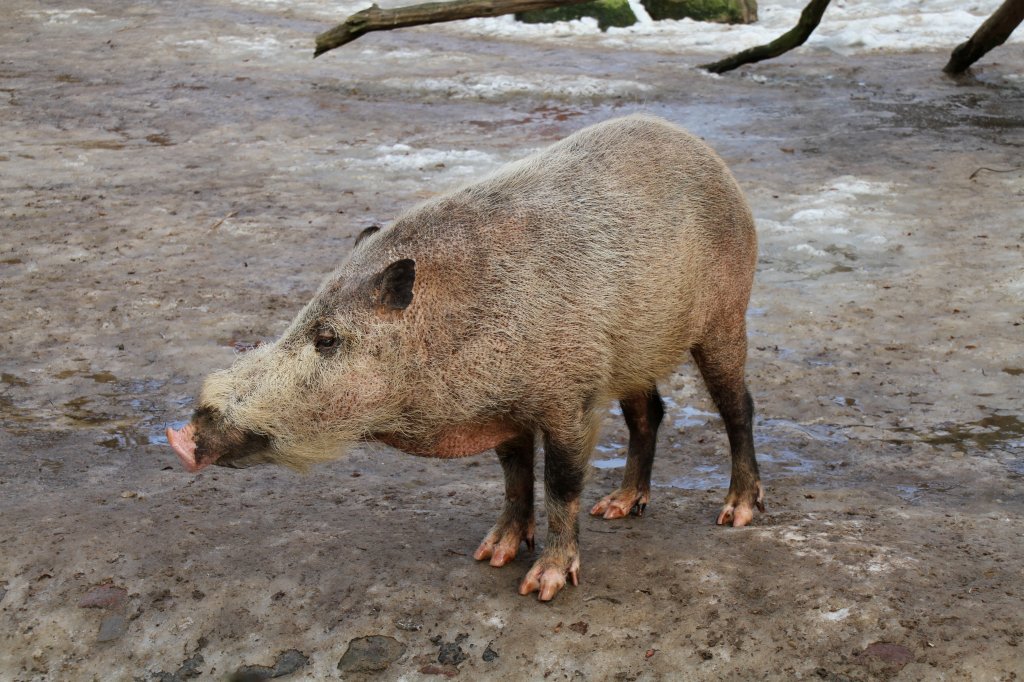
point(326, 341)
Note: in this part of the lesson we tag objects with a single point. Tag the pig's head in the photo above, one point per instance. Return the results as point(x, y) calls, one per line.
point(327, 382)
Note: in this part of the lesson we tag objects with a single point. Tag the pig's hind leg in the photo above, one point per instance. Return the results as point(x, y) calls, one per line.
point(721, 359)
point(643, 414)
point(515, 525)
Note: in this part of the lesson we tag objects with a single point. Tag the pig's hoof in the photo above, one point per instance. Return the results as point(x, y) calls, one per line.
point(548, 576)
point(502, 544)
point(621, 503)
point(739, 509)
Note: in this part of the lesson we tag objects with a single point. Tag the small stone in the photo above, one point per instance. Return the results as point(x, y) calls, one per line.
point(290, 661)
point(287, 663)
point(112, 627)
point(105, 596)
point(251, 673)
point(580, 627)
point(894, 656)
point(489, 653)
point(370, 654)
point(451, 654)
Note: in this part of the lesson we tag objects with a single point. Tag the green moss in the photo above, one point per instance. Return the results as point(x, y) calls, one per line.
point(721, 11)
point(607, 12)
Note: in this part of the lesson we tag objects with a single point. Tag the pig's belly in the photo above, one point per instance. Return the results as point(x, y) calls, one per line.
point(459, 441)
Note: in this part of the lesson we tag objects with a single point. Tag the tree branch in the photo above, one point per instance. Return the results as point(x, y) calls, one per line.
point(795, 37)
point(993, 33)
point(376, 19)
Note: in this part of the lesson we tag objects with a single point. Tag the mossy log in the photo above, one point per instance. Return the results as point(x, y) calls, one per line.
point(719, 11)
point(607, 12)
point(795, 37)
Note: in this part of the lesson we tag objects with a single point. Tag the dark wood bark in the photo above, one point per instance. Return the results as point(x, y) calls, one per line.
point(795, 37)
point(993, 33)
point(376, 19)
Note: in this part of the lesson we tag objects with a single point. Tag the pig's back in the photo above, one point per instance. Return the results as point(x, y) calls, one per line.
point(588, 266)
point(630, 232)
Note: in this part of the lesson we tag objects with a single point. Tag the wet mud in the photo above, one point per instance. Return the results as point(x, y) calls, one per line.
point(176, 180)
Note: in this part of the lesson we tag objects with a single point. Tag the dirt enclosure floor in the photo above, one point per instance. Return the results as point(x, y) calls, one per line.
point(176, 179)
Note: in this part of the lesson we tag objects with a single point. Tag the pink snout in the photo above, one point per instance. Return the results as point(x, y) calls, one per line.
point(184, 444)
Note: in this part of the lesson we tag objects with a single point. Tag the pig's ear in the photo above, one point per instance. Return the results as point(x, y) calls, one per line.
point(371, 230)
point(394, 285)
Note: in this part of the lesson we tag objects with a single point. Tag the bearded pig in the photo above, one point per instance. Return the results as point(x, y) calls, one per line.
point(511, 310)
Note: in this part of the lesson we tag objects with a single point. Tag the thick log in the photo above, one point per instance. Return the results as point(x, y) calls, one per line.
point(718, 11)
point(993, 33)
point(376, 19)
point(795, 37)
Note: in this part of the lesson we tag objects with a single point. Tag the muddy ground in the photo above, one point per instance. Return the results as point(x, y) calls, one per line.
point(176, 179)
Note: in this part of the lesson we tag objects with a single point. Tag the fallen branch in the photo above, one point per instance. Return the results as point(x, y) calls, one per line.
point(793, 38)
point(994, 170)
point(376, 19)
point(993, 33)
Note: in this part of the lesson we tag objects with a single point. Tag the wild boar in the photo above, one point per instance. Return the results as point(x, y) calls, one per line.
point(511, 309)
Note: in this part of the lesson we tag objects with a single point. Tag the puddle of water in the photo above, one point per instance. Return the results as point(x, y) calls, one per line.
point(1003, 430)
point(611, 463)
point(78, 412)
point(686, 416)
point(785, 462)
point(817, 432)
point(102, 377)
point(691, 416)
point(908, 493)
point(145, 432)
point(12, 380)
point(54, 466)
point(98, 144)
point(704, 477)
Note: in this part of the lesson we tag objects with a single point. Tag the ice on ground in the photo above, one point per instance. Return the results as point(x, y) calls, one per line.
point(263, 46)
point(61, 16)
point(837, 224)
point(496, 85)
point(402, 157)
point(407, 55)
point(841, 614)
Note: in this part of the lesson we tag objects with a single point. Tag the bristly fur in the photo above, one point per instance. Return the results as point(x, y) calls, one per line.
point(581, 274)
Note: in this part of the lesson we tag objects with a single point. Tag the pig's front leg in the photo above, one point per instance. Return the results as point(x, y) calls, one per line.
point(565, 464)
point(515, 525)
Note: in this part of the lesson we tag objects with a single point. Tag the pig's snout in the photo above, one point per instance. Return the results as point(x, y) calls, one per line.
point(183, 442)
point(209, 439)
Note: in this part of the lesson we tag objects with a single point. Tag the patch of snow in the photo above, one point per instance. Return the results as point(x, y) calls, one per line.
point(494, 85)
point(402, 157)
point(846, 27)
point(61, 16)
point(834, 616)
